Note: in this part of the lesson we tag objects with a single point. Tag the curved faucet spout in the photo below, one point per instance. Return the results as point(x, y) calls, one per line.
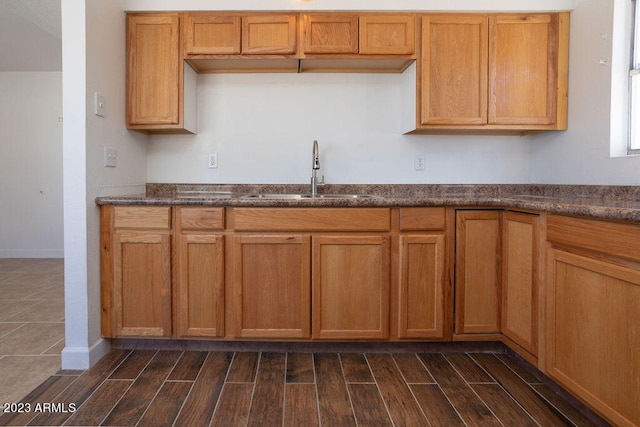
point(316, 156)
point(315, 166)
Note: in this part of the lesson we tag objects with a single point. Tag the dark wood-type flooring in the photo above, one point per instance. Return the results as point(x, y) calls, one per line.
point(199, 388)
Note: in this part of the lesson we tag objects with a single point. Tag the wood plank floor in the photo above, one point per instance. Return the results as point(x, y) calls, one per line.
point(200, 388)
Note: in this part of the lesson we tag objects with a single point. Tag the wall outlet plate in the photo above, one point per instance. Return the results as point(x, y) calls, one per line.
point(213, 161)
point(98, 104)
point(418, 162)
point(110, 157)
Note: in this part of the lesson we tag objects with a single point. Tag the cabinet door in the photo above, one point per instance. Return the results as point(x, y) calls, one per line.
point(520, 279)
point(387, 34)
point(206, 34)
point(330, 33)
point(593, 333)
point(477, 272)
point(422, 263)
point(454, 70)
point(142, 284)
point(272, 286)
point(200, 286)
point(350, 287)
point(154, 70)
point(269, 34)
point(523, 69)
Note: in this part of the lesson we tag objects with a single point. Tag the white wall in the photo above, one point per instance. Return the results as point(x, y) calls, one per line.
point(581, 155)
point(262, 126)
point(93, 60)
point(31, 165)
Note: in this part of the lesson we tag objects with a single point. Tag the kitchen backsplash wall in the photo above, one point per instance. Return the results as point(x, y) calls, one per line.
point(262, 127)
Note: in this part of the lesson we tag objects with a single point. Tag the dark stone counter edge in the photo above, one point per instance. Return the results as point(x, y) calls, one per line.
point(617, 203)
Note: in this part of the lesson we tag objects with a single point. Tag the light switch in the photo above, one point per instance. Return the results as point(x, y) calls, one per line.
point(98, 104)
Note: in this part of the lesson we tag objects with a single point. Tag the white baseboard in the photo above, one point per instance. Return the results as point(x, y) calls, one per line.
point(84, 357)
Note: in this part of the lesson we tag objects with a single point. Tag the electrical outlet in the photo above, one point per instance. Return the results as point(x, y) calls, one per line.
point(110, 157)
point(418, 162)
point(213, 161)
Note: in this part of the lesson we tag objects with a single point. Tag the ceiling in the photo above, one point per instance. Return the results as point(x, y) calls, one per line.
point(30, 35)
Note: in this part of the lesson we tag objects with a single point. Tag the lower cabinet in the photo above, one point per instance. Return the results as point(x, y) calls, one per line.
point(521, 277)
point(272, 286)
point(136, 272)
point(200, 285)
point(477, 272)
point(421, 308)
point(350, 287)
point(593, 314)
point(424, 290)
point(199, 272)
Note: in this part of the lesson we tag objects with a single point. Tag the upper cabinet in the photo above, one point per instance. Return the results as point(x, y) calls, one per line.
point(330, 33)
point(231, 43)
point(160, 87)
point(374, 42)
point(475, 73)
point(494, 74)
point(207, 34)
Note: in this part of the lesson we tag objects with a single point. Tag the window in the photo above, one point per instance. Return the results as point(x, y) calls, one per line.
point(634, 82)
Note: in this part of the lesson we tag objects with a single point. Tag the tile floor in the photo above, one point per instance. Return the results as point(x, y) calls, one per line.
point(31, 324)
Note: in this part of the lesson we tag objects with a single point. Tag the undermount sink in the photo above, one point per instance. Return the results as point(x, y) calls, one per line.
point(309, 196)
point(203, 194)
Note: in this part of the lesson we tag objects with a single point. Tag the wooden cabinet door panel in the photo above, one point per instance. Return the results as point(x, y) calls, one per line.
point(272, 286)
point(421, 310)
point(520, 280)
point(522, 69)
point(593, 333)
point(477, 272)
point(200, 287)
point(350, 287)
point(454, 70)
point(385, 34)
point(207, 34)
point(153, 69)
point(142, 284)
point(269, 34)
point(331, 33)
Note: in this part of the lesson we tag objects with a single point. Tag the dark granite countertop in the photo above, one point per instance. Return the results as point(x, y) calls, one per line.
point(619, 203)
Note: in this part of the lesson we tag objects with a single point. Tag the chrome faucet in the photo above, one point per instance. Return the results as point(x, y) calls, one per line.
point(315, 166)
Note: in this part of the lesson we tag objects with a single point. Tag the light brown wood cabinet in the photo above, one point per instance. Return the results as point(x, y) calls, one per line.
point(310, 272)
point(136, 302)
point(211, 34)
point(593, 308)
point(208, 33)
point(357, 42)
point(330, 33)
point(160, 86)
point(366, 34)
point(521, 277)
point(199, 286)
point(424, 300)
point(478, 273)
point(231, 43)
point(493, 73)
point(272, 286)
point(350, 287)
